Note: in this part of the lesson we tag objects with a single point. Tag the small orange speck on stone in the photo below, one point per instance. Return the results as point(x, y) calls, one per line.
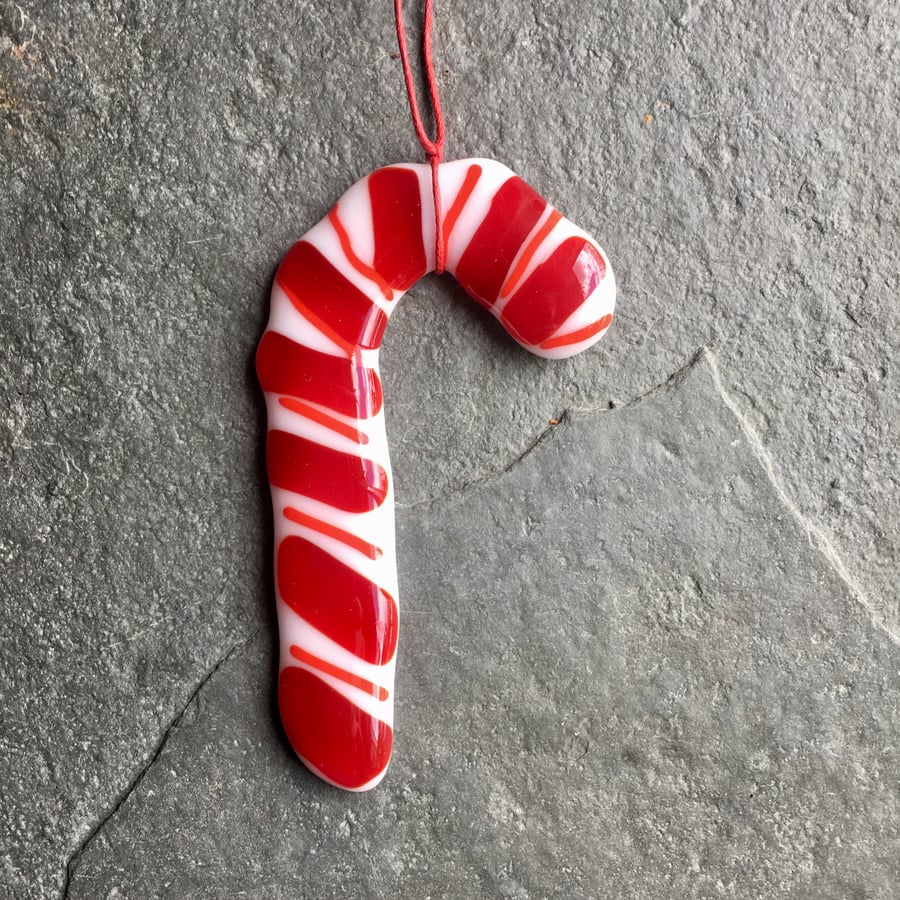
point(554, 421)
point(648, 118)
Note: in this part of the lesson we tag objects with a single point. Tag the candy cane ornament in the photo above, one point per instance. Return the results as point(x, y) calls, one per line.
point(551, 287)
point(548, 283)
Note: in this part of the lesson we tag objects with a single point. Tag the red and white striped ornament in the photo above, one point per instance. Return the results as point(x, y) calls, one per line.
point(549, 284)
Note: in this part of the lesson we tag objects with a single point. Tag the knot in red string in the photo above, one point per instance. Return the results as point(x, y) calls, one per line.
point(434, 148)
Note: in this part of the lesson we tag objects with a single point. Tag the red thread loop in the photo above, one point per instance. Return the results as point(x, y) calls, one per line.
point(434, 149)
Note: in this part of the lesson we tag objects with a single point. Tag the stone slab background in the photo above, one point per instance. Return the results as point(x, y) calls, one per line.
point(649, 652)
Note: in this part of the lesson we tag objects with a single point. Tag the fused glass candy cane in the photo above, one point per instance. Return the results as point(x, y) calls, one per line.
point(550, 285)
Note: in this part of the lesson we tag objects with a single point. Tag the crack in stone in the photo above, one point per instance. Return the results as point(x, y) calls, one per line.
point(464, 490)
point(135, 782)
point(666, 384)
point(671, 381)
point(564, 419)
point(817, 536)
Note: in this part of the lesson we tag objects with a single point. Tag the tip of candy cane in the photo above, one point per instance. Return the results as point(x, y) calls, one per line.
point(353, 789)
point(585, 327)
point(566, 304)
point(336, 739)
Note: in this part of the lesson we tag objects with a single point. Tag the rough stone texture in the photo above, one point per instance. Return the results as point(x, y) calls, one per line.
point(656, 658)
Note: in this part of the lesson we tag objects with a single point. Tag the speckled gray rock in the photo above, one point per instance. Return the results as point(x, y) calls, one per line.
point(625, 671)
point(738, 161)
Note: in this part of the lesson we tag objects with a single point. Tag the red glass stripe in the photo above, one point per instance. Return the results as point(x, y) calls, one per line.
point(514, 211)
point(316, 415)
point(345, 537)
point(576, 337)
point(553, 291)
point(332, 734)
point(339, 479)
point(473, 173)
point(337, 600)
point(529, 251)
point(353, 259)
point(397, 221)
point(286, 367)
point(313, 283)
point(327, 668)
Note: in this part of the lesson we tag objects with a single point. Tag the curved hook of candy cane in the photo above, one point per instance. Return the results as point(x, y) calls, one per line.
point(551, 287)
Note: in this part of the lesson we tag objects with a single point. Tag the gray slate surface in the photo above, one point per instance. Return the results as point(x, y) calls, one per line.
point(658, 656)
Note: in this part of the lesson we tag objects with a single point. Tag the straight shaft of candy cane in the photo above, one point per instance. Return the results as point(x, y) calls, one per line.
point(336, 584)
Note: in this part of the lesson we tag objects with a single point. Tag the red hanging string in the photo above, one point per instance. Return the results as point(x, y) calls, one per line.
point(434, 149)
